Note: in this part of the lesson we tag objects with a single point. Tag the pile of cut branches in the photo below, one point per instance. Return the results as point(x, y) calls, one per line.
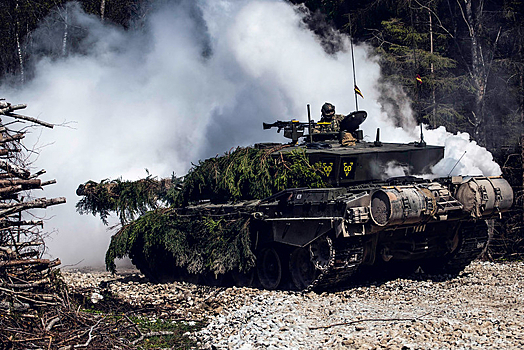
point(28, 282)
point(78, 323)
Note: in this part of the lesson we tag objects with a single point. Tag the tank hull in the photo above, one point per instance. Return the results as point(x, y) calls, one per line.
point(317, 239)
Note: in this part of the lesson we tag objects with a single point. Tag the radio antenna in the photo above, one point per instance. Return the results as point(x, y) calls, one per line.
point(353, 61)
point(458, 161)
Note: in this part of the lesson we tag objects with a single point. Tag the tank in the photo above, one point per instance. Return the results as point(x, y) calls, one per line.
point(319, 238)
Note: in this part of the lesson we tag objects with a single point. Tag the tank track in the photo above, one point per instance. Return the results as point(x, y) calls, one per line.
point(343, 262)
point(474, 239)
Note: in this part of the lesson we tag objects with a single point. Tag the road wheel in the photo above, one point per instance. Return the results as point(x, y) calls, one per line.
point(269, 268)
point(301, 268)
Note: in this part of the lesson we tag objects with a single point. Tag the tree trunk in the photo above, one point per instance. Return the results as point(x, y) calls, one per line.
point(18, 46)
point(522, 160)
point(66, 32)
point(478, 79)
point(521, 95)
point(432, 69)
point(102, 9)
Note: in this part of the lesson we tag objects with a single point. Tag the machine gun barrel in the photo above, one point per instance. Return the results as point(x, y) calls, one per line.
point(285, 124)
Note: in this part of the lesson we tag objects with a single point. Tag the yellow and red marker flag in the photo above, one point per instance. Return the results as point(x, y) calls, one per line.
point(419, 79)
point(358, 92)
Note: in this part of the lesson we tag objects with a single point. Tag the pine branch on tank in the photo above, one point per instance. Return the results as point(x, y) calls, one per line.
point(247, 173)
point(205, 245)
point(128, 199)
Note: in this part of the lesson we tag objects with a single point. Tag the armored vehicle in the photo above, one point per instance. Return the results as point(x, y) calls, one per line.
point(316, 238)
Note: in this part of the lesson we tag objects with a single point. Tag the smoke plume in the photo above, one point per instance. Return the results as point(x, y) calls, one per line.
point(194, 80)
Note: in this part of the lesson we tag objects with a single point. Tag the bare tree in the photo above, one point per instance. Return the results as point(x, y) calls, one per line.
point(472, 12)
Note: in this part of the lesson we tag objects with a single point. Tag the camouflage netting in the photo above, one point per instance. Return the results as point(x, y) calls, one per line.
point(160, 235)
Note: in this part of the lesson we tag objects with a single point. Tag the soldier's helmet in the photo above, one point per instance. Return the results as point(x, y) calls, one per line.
point(328, 111)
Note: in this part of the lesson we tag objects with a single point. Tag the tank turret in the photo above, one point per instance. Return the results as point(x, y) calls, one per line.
point(361, 161)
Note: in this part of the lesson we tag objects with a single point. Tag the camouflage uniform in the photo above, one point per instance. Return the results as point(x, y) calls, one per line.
point(328, 115)
point(335, 123)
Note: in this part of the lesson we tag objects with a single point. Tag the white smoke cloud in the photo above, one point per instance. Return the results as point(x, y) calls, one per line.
point(393, 169)
point(198, 79)
point(461, 156)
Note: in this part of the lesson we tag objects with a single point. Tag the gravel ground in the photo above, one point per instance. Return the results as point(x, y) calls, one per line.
point(482, 308)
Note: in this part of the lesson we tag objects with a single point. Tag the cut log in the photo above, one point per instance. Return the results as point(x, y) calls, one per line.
point(31, 119)
point(14, 169)
point(37, 203)
point(47, 262)
point(33, 183)
point(9, 223)
point(37, 174)
point(27, 244)
point(16, 137)
point(9, 190)
point(6, 109)
point(10, 208)
point(49, 182)
point(27, 285)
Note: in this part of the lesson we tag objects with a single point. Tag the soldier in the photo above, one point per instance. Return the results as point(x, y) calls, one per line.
point(329, 116)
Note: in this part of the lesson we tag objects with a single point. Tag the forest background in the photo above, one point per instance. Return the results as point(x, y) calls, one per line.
point(459, 61)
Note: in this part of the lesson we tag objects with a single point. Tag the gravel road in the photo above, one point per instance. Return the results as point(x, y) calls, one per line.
point(482, 308)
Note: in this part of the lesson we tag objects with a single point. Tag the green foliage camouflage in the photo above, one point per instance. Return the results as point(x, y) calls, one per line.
point(196, 245)
point(128, 199)
point(247, 173)
point(159, 235)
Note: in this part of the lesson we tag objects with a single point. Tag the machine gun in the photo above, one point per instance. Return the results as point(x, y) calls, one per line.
point(293, 129)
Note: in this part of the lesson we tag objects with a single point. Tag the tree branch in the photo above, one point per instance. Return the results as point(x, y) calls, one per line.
point(368, 320)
